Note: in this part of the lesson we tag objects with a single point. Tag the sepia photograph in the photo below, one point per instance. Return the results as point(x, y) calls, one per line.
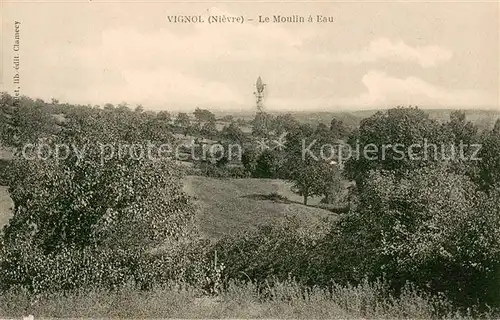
point(240, 159)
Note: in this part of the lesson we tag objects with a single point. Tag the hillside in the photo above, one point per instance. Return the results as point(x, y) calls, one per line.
point(231, 206)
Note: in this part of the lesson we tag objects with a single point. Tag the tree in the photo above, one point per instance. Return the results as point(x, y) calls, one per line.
point(332, 183)
point(193, 129)
point(311, 176)
point(461, 130)
point(285, 123)
point(488, 167)
point(108, 106)
point(266, 165)
point(115, 123)
point(338, 129)
point(156, 130)
point(7, 128)
point(249, 159)
point(391, 137)
point(209, 129)
point(241, 122)
point(496, 127)
point(309, 179)
point(78, 202)
point(432, 228)
point(221, 157)
point(164, 116)
point(139, 108)
point(227, 118)
point(152, 127)
point(233, 133)
point(24, 121)
point(463, 137)
point(183, 121)
point(204, 115)
point(322, 130)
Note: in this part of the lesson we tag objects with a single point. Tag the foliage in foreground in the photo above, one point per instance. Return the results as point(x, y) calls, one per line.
point(285, 299)
point(433, 229)
point(37, 273)
point(444, 243)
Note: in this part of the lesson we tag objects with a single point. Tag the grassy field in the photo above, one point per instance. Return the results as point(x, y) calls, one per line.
point(231, 206)
point(242, 301)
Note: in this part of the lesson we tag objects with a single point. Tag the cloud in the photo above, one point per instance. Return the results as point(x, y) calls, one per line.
point(173, 65)
point(385, 49)
point(383, 90)
point(183, 66)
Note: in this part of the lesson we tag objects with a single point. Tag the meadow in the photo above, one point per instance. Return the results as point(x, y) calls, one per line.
point(285, 300)
point(232, 206)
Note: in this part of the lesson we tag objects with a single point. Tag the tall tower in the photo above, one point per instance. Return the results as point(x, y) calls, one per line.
point(259, 94)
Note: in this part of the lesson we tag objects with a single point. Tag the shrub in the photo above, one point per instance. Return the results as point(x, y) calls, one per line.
point(266, 165)
point(432, 228)
point(272, 253)
point(212, 170)
point(285, 299)
point(36, 272)
point(274, 196)
point(86, 221)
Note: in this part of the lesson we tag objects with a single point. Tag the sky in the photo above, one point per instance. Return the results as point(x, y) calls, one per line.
point(376, 54)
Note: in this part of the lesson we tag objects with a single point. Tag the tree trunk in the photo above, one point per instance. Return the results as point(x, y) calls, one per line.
point(305, 199)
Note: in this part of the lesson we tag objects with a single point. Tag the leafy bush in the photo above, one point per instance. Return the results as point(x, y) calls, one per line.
point(90, 221)
point(433, 229)
point(488, 169)
point(103, 268)
point(274, 196)
point(212, 170)
point(122, 203)
point(37, 272)
point(266, 165)
point(24, 120)
point(396, 126)
point(272, 252)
